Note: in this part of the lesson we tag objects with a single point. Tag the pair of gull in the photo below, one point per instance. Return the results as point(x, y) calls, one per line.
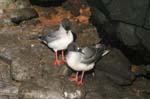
point(78, 58)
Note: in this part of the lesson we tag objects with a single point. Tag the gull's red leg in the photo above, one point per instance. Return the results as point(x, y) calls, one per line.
point(80, 83)
point(57, 61)
point(63, 56)
point(74, 78)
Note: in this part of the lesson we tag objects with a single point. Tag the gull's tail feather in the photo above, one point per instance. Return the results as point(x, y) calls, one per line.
point(43, 39)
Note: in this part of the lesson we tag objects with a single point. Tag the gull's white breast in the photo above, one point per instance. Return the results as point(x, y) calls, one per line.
point(61, 43)
point(73, 61)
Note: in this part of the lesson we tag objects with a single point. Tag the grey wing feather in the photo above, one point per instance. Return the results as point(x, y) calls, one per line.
point(89, 55)
point(52, 36)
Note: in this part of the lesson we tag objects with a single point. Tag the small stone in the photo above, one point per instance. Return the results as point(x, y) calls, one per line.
point(32, 45)
point(20, 15)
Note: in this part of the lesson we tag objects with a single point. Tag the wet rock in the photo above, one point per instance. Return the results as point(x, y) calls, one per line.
point(23, 4)
point(126, 33)
point(4, 72)
point(117, 67)
point(20, 15)
point(133, 12)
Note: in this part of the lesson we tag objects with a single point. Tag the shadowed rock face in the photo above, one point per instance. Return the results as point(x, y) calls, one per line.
point(124, 24)
point(118, 68)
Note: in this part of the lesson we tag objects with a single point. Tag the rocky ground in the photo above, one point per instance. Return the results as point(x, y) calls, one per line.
point(27, 69)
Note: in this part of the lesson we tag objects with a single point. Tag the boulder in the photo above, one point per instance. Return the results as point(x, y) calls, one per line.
point(117, 67)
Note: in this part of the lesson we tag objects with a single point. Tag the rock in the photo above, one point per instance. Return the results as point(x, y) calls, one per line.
point(106, 1)
point(141, 87)
point(148, 68)
point(126, 34)
point(4, 97)
point(131, 11)
point(97, 16)
point(74, 8)
point(147, 22)
point(5, 58)
point(5, 3)
point(32, 90)
point(23, 66)
point(4, 72)
point(101, 87)
point(23, 4)
point(144, 36)
point(73, 95)
point(117, 67)
point(20, 15)
point(87, 36)
point(2, 84)
point(72, 91)
point(132, 40)
point(9, 90)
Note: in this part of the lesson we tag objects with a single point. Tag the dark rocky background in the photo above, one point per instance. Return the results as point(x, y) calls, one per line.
point(26, 65)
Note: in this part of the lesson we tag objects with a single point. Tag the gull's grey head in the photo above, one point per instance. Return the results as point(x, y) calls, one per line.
point(73, 47)
point(66, 24)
